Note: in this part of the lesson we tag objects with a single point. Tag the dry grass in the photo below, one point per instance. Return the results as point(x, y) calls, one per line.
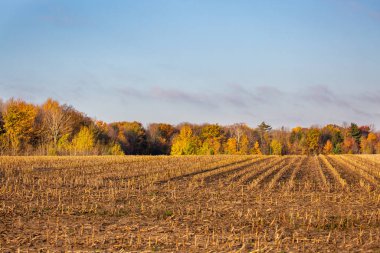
point(188, 204)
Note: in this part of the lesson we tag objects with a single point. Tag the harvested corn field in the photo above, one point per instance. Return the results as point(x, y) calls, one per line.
point(190, 203)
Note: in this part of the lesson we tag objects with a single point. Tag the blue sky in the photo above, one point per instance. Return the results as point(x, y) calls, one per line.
point(286, 62)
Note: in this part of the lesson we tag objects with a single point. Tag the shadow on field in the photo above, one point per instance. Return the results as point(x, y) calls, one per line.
point(240, 168)
point(202, 171)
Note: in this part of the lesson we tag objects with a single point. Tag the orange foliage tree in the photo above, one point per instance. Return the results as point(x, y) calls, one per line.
point(19, 122)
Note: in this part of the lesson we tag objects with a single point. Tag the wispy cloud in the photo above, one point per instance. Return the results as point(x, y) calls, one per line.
point(22, 91)
point(241, 96)
point(235, 95)
point(177, 95)
point(270, 94)
point(132, 92)
point(322, 95)
point(268, 102)
point(372, 97)
point(169, 95)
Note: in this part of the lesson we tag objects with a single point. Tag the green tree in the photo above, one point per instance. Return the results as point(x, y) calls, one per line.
point(355, 133)
point(337, 149)
point(264, 130)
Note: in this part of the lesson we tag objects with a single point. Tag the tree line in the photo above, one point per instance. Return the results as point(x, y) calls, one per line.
point(59, 129)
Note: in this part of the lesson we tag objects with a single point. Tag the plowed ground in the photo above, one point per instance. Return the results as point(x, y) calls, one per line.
point(190, 204)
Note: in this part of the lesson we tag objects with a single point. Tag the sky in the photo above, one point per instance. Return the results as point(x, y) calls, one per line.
point(285, 62)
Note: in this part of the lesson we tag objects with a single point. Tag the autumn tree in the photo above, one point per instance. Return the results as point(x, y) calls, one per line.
point(64, 146)
point(276, 147)
point(282, 135)
point(231, 146)
point(159, 137)
point(185, 143)
point(211, 137)
point(296, 134)
point(328, 148)
point(313, 140)
point(19, 122)
point(131, 136)
point(84, 141)
point(372, 137)
point(297, 141)
point(364, 131)
point(210, 147)
point(115, 149)
point(56, 120)
point(368, 145)
point(237, 131)
point(256, 149)
point(349, 145)
point(52, 128)
point(210, 131)
point(244, 145)
point(377, 147)
point(102, 133)
point(333, 133)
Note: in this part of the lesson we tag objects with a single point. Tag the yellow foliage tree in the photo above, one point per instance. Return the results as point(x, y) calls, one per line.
point(84, 141)
point(19, 121)
point(327, 149)
point(276, 147)
point(211, 136)
point(116, 149)
point(210, 146)
point(185, 143)
point(312, 139)
point(231, 146)
point(256, 149)
point(372, 137)
point(244, 145)
point(64, 146)
point(368, 145)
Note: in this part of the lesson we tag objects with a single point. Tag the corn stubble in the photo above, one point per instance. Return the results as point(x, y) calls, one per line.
point(190, 203)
